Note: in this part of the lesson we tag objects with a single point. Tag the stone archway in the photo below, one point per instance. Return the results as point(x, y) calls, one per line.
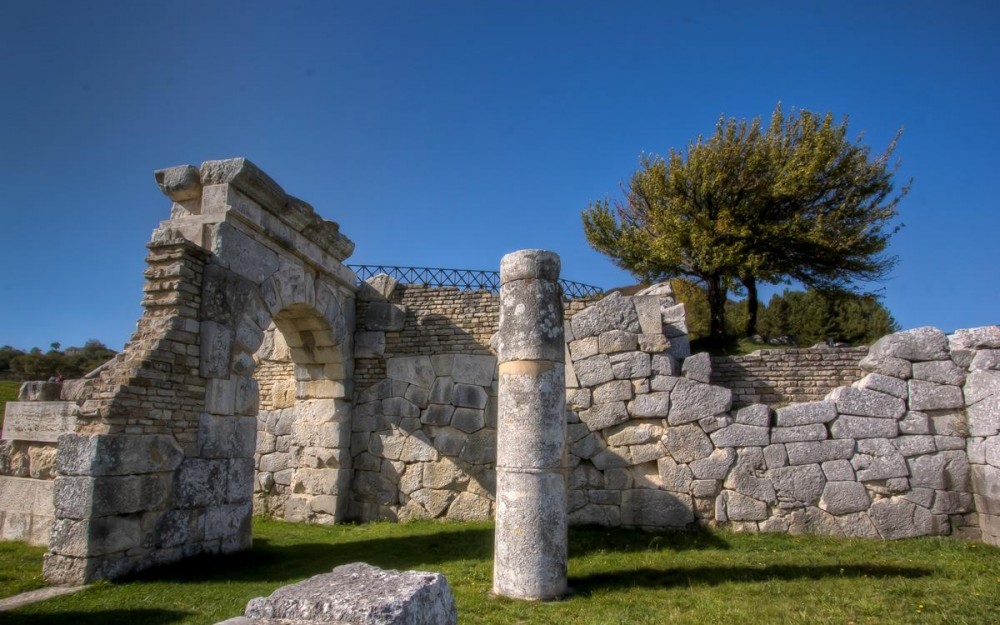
point(160, 466)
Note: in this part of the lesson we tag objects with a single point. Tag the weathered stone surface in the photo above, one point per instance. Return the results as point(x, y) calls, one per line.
point(806, 414)
point(813, 520)
point(980, 385)
point(469, 396)
point(819, 451)
point(594, 370)
point(744, 476)
point(117, 455)
point(738, 507)
point(986, 337)
point(630, 365)
point(615, 390)
point(884, 384)
point(610, 313)
point(878, 459)
point(739, 435)
point(385, 317)
point(775, 456)
point(814, 432)
point(361, 594)
point(897, 518)
point(674, 477)
point(653, 508)
point(474, 370)
point(578, 399)
point(926, 343)
point(915, 423)
point(378, 287)
point(849, 426)
point(665, 365)
point(468, 420)
point(915, 445)
point(939, 372)
point(692, 400)
point(844, 498)
point(866, 403)
point(757, 414)
point(984, 417)
point(838, 471)
point(39, 421)
point(584, 348)
point(601, 416)
point(698, 367)
point(651, 405)
point(614, 341)
point(887, 365)
point(797, 486)
point(632, 434)
point(986, 359)
point(411, 369)
point(715, 466)
point(687, 443)
point(945, 470)
point(930, 396)
point(647, 308)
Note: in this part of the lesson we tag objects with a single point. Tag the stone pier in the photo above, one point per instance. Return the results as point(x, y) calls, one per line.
point(530, 552)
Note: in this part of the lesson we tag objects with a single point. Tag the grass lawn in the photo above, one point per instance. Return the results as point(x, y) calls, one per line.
point(618, 576)
point(8, 392)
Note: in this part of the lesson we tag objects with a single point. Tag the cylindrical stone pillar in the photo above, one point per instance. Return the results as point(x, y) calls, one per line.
point(530, 552)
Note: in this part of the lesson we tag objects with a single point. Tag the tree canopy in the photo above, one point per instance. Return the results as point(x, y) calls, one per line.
point(73, 362)
point(797, 200)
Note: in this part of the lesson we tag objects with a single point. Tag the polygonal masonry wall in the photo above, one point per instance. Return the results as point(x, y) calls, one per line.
point(242, 384)
point(653, 444)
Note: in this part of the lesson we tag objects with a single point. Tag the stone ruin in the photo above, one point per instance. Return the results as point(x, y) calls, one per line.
point(262, 378)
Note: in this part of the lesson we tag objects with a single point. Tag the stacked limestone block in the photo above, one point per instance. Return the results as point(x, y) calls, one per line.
point(978, 350)
point(625, 391)
point(424, 440)
point(302, 443)
point(656, 446)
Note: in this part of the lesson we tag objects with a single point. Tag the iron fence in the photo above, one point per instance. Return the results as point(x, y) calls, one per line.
point(464, 279)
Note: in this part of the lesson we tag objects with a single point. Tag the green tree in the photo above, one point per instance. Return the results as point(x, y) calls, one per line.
point(813, 316)
point(795, 201)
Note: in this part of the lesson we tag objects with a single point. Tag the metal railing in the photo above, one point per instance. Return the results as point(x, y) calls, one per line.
point(463, 279)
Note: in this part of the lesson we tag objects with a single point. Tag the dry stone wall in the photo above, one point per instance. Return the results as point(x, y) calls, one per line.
point(777, 377)
point(653, 443)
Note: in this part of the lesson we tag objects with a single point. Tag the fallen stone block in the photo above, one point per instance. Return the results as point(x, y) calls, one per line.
point(360, 594)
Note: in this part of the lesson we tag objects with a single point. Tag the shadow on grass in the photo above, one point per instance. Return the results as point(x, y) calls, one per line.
point(589, 539)
point(715, 575)
point(268, 562)
point(102, 617)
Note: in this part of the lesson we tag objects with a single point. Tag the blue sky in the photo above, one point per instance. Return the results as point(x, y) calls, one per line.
point(448, 133)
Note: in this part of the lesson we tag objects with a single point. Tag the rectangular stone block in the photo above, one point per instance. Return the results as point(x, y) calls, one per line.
point(39, 421)
point(819, 451)
point(118, 454)
point(216, 349)
point(26, 495)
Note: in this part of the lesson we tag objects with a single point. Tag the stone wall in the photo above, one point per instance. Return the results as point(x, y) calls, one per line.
point(423, 443)
point(32, 425)
point(653, 443)
point(784, 376)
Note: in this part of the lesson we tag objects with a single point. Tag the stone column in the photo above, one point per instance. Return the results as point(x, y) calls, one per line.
point(530, 551)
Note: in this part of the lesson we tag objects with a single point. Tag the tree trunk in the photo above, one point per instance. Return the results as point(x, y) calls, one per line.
point(717, 310)
point(751, 285)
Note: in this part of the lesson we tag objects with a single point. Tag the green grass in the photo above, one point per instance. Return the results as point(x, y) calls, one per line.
point(8, 392)
point(618, 576)
point(20, 568)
